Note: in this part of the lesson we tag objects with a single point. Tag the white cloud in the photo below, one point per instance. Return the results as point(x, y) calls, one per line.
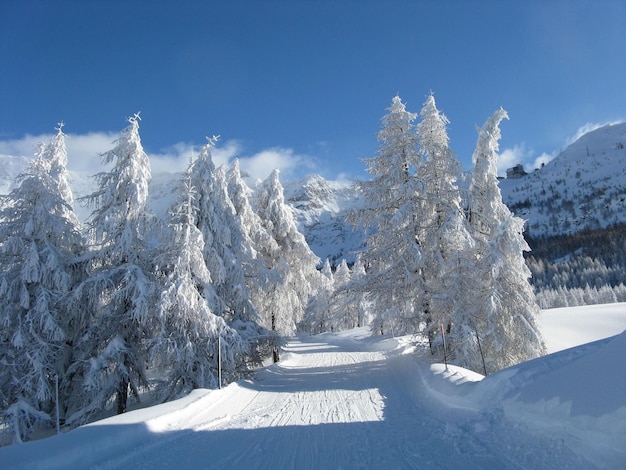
point(24, 147)
point(84, 150)
point(510, 157)
point(225, 154)
point(588, 127)
point(261, 164)
point(542, 159)
point(521, 154)
point(258, 165)
point(173, 159)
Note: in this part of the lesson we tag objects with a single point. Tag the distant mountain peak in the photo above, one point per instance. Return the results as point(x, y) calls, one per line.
point(584, 187)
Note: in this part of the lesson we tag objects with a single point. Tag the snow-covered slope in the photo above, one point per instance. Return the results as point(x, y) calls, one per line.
point(320, 208)
point(584, 187)
point(349, 400)
point(10, 168)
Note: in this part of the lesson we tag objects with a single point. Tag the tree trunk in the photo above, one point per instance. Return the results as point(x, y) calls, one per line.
point(122, 396)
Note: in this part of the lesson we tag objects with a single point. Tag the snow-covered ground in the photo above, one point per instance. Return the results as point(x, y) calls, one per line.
point(352, 401)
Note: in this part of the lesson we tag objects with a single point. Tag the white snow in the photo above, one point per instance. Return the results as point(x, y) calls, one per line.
point(567, 327)
point(348, 400)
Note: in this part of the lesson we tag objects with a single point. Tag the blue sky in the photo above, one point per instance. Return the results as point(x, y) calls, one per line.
point(302, 85)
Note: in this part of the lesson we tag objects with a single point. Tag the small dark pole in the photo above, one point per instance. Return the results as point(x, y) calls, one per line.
point(480, 349)
point(219, 360)
point(445, 352)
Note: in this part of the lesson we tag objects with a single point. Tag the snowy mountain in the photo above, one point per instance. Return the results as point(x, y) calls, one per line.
point(350, 400)
point(10, 167)
point(320, 208)
point(584, 187)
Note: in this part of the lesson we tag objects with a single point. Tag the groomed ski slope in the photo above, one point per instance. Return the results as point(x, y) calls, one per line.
point(352, 401)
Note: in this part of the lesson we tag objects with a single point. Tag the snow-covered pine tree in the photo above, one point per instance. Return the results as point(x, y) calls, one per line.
point(224, 242)
point(442, 235)
point(355, 295)
point(505, 317)
point(318, 317)
point(394, 282)
point(344, 310)
point(256, 250)
point(116, 301)
point(39, 244)
point(185, 345)
point(296, 263)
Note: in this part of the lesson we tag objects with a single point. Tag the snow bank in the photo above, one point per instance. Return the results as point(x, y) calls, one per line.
point(578, 394)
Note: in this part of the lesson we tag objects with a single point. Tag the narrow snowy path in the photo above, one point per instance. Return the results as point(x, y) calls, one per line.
point(332, 402)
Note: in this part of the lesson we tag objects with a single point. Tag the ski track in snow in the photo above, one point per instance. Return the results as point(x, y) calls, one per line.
point(332, 402)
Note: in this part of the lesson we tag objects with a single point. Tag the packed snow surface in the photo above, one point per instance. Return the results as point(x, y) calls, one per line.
point(348, 400)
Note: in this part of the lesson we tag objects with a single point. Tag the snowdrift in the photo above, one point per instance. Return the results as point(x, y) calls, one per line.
point(578, 394)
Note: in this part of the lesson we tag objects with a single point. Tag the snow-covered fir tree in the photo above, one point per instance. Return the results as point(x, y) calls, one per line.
point(344, 307)
point(318, 317)
point(116, 301)
point(39, 244)
point(294, 262)
point(257, 251)
point(505, 315)
point(443, 236)
point(55, 153)
point(394, 282)
point(355, 293)
point(188, 334)
point(224, 243)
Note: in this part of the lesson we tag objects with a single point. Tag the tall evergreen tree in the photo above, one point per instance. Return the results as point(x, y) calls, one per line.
point(116, 301)
point(223, 239)
point(191, 343)
point(295, 262)
point(443, 235)
point(506, 309)
point(258, 248)
point(318, 317)
point(345, 311)
point(394, 281)
point(39, 244)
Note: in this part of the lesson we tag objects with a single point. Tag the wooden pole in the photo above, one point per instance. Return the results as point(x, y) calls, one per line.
point(219, 360)
point(445, 352)
point(56, 398)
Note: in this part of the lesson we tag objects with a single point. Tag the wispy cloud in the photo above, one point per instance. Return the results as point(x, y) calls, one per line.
point(588, 127)
point(258, 165)
point(542, 159)
point(521, 154)
point(173, 159)
point(290, 164)
point(510, 157)
point(84, 150)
